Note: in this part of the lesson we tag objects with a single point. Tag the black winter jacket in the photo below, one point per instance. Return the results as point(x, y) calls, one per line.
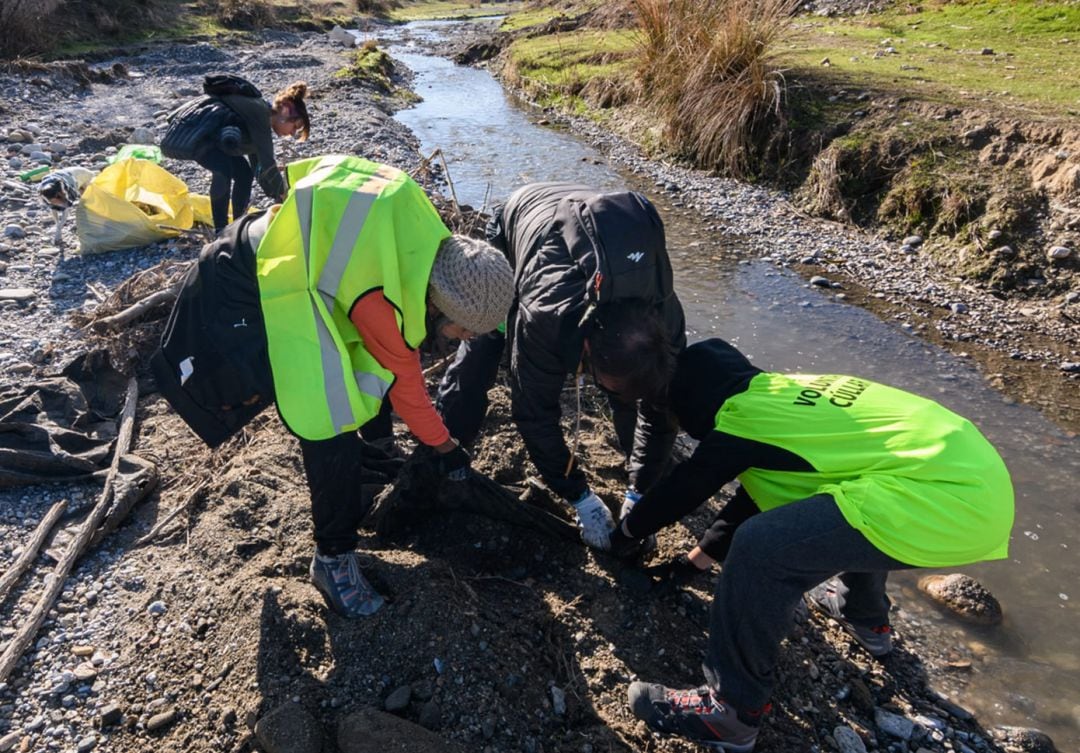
point(558, 237)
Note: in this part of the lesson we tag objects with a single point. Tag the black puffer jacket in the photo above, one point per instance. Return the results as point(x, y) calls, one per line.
point(571, 245)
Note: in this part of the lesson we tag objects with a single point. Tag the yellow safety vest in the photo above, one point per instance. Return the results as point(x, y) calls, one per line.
point(348, 227)
point(920, 482)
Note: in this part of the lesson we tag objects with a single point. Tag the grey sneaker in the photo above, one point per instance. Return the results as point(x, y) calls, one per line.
point(696, 714)
point(344, 587)
point(829, 599)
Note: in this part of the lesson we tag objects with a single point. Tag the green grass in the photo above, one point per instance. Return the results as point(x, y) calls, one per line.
point(525, 18)
point(938, 53)
point(557, 65)
point(429, 10)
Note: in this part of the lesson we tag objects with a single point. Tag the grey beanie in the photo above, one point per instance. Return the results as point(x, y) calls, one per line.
point(471, 283)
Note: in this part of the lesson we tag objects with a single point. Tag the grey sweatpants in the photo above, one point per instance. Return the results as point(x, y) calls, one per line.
point(775, 558)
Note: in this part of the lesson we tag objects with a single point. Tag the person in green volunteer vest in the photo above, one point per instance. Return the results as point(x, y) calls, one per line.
point(840, 476)
point(354, 271)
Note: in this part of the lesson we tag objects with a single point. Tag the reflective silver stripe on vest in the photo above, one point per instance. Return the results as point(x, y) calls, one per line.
point(337, 398)
point(371, 384)
point(349, 228)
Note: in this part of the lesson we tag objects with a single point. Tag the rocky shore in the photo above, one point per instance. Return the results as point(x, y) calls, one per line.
point(496, 638)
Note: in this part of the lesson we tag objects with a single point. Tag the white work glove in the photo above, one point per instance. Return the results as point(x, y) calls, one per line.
point(594, 521)
point(631, 498)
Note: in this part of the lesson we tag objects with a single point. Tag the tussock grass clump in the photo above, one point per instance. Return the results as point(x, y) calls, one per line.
point(244, 14)
point(707, 69)
point(23, 27)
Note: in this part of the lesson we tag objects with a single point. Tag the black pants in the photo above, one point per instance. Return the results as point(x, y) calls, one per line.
point(776, 557)
point(227, 172)
point(334, 470)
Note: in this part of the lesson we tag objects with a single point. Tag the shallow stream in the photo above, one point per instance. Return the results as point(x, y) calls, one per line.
point(1027, 671)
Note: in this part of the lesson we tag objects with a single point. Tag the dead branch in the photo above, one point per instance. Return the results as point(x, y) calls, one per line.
point(142, 481)
point(30, 551)
point(140, 307)
point(54, 582)
point(164, 522)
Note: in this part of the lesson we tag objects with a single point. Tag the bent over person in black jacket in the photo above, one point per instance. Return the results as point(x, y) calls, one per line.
point(593, 292)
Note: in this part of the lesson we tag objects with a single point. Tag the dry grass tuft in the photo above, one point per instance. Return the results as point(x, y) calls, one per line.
point(707, 69)
point(244, 14)
point(23, 27)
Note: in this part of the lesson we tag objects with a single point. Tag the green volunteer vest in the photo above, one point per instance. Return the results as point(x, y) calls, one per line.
point(920, 482)
point(347, 228)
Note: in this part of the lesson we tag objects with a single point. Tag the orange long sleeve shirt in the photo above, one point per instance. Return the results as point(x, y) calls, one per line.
point(377, 324)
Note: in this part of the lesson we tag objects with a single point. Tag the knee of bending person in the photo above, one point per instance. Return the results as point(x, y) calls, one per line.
point(754, 544)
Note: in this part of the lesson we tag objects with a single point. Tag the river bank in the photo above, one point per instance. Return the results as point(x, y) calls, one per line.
point(496, 637)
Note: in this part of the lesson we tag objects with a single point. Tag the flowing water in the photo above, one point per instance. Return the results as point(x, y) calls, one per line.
point(1027, 671)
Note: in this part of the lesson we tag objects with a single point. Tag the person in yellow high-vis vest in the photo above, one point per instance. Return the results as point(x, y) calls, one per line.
point(840, 476)
point(350, 275)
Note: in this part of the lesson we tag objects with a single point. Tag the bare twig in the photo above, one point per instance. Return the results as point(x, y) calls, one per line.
point(142, 484)
point(54, 582)
point(30, 551)
point(137, 309)
point(438, 366)
point(164, 522)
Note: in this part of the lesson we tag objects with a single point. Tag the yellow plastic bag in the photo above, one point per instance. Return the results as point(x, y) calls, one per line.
point(134, 202)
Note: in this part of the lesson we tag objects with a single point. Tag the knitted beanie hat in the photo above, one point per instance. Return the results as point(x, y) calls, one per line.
point(471, 283)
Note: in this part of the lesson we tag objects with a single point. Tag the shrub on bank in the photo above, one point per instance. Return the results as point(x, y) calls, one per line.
point(706, 69)
point(22, 25)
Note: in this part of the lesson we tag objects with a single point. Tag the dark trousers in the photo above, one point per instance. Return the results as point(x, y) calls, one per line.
point(227, 172)
point(775, 558)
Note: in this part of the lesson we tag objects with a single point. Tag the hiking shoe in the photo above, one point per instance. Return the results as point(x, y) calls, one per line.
point(696, 714)
point(829, 599)
point(594, 521)
point(344, 587)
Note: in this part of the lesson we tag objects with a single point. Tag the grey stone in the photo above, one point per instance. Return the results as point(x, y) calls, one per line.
point(963, 596)
point(558, 700)
point(958, 308)
point(430, 715)
point(1070, 367)
point(1004, 251)
point(994, 235)
point(822, 282)
point(373, 731)
point(110, 714)
point(15, 232)
point(161, 721)
point(913, 240)
point(399, 699)
point(1059, 252)
point(41, 157)
point(17, 294)
point(289, 729)
point(894, 725)
point(143, 135)
point(8, 741)
point(848, 740)
point(1023, 740)
point(1072, 297)
point(157, 608)
point(86, 744)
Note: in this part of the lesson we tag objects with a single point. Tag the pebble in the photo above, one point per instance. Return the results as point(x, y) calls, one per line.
point(430, 716)
point(157, 608)
point(1059, 252)
point(161, 721)
point(820, 281)
point(958, 308)
point(848, 740)
point(558, 700)
point(399, 699)
point(110, 714)
point(8, 741)
point(894, 725)
point(86, 744)
point(913, 240)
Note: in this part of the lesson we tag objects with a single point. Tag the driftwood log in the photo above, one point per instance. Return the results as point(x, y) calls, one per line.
point(420, 490)
point(137, 309)
point(30, 551)
point(54, 582)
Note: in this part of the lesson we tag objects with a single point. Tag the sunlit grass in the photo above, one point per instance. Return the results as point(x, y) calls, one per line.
point(427, 10)
point(1014, 54)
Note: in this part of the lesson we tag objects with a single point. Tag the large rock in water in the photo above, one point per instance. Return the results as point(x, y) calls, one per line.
point(1023, 740)
point(963, 596)
point(289, 729)
point(374, 731)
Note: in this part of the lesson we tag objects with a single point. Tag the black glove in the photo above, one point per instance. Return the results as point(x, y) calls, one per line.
point(622, 546)
point(454, 465)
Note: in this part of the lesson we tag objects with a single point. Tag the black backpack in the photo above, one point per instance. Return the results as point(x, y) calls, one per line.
point(213, 366)
point(229, 84)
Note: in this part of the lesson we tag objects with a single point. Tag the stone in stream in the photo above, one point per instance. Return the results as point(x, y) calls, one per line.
point(819, 281)
point(1023, 740)
point(373, 731)
point(848, 740)
point(963, 596)
point(289, 729)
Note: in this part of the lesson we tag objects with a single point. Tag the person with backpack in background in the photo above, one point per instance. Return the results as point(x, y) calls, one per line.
point(229, 131)
point(592, 292)
point(320, 305)
point(841, 476)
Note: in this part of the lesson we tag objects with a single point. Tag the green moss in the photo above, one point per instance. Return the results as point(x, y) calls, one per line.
point(372, 65)
point(1032, 52)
